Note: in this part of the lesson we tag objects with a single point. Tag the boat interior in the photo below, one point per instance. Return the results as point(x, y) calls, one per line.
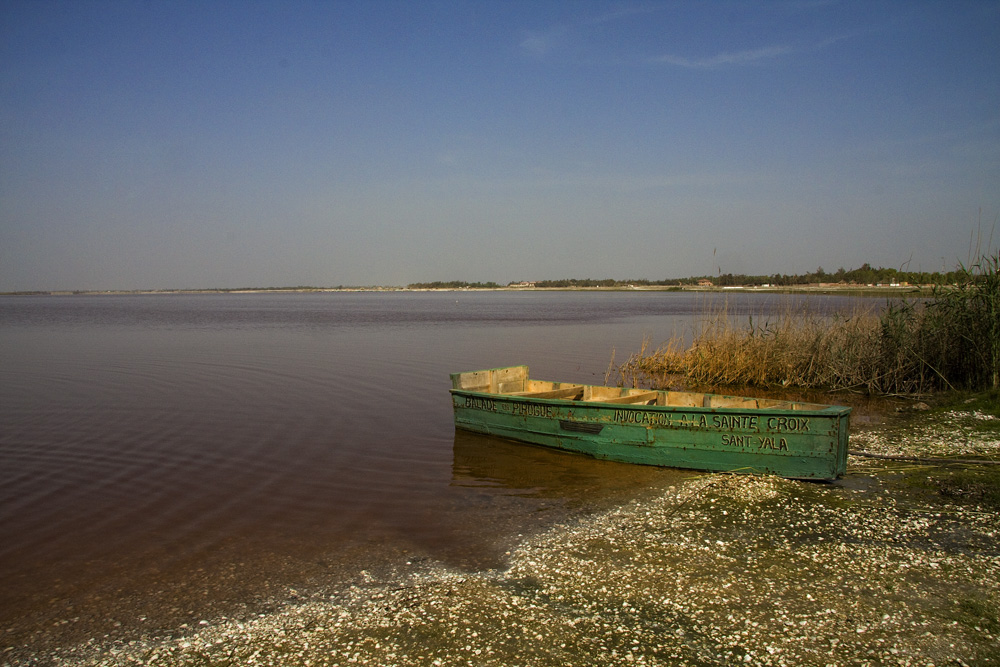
point(514, 381)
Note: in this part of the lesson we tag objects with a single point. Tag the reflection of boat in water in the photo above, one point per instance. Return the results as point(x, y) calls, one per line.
point(501, 468)
point(662, 428)
point(494, 463)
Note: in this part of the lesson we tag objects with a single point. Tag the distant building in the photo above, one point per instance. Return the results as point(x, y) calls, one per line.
point(705, 283)
point(522, 284)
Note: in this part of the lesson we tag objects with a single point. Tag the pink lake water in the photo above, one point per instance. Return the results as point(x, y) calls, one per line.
point(170, 458)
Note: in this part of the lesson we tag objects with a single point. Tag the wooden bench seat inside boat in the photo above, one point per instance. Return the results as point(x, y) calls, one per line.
point(645, 397)
point(578, 392)
point(572, 393)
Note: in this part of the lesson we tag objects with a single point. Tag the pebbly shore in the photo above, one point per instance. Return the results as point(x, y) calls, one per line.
point(881, 568)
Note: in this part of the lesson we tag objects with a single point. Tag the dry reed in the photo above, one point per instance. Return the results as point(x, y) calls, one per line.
point(798, 348)
point(949, 341)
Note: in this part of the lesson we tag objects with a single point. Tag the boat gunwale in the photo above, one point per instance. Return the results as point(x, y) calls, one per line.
point(825, 410)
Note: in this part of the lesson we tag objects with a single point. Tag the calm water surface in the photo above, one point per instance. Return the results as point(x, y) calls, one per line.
point(170, 458)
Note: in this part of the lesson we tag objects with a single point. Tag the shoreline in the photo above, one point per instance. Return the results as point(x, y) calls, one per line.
point(845, 290)
point(719, 569)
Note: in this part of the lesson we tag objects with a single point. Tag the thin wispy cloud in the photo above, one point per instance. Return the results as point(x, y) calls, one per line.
point(537, 44)
point(545, 42)
point(752, 56)
point(727, 58)
point(541, 42)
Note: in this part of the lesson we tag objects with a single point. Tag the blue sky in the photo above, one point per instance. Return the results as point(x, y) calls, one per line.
point(160, 144)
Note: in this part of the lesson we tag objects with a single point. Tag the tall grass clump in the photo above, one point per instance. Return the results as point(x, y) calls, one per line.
point(798, 348)
point(951, 340)
point(960, 328)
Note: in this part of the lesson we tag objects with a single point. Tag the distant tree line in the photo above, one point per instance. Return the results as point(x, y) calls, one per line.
point(866, 275)
point(453, 284)
point(585, 282)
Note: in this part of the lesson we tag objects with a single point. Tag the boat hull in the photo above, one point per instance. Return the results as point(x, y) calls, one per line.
point(803, 441)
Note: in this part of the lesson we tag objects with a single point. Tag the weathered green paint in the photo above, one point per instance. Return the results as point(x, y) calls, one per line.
point(790, 439)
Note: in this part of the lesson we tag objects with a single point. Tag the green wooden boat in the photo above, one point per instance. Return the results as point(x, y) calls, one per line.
point(663, 428)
